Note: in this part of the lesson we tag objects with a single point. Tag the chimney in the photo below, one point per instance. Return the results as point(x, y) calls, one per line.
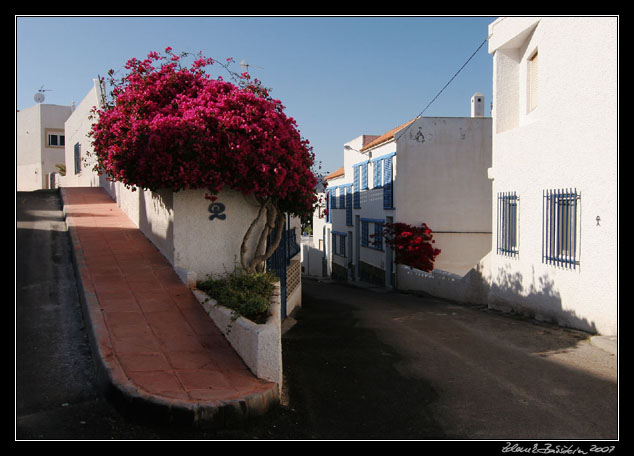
point(477, 105)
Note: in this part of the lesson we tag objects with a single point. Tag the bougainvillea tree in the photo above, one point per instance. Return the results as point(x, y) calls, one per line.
point(412, 245)
point(167, 125)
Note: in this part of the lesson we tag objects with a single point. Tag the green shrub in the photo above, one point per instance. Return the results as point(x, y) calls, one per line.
point(246, 293)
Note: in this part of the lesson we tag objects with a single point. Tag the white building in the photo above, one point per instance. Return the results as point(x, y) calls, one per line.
point(429, 170)
point(40, 143)
point(78, 157)
point(555, 169)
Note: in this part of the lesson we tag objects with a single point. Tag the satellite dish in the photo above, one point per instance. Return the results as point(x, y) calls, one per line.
point(38, 97)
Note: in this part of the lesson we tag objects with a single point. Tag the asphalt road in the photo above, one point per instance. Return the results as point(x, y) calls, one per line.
point(359, 364)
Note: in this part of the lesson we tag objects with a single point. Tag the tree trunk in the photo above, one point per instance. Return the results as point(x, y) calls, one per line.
point(262, 251)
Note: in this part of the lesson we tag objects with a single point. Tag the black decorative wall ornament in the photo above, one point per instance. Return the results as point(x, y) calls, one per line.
point(217, 210)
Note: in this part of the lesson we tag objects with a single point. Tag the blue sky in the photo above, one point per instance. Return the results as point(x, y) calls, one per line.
point(339, 77)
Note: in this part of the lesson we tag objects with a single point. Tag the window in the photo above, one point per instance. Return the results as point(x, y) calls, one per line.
point(388, 194)
point(339, 243)
point(56, 140)
point(507, 228)
point(364, 176)
point(348, 192)
point(333, 198)
point(357, 189)
point(559, 231)
point(77, 156)
point(365, 234)
point(531, 82)
point(378, 175)
point(374, 241)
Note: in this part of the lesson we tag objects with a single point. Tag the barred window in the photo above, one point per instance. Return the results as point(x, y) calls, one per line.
point(374, 240)
point(357, 189)
point(560, 227)
point(339, 243)
point(507, 224)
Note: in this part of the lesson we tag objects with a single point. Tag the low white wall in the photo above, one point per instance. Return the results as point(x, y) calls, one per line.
point(259, 345)
point(470, 288)
point(179, 225)
point(312, 261)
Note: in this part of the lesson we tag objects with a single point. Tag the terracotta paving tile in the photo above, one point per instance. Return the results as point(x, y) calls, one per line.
point(190, 359)
point(203, 379)
point(143, 362)
point(137, 343)
point(179, 342)
point(119, 304)
point(156, 382)
point(200, 321)
point(168, 323)
point(154, 301)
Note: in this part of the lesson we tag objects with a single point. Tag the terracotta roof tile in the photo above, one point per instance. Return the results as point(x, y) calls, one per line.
point(337, 173)
point(386, 136)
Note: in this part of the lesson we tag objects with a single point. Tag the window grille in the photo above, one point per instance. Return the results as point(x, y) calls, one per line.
point(348, 192)
point(339, 248)
point(560, 225)
point(365, 233)
point(507, 224)
point(378, 236)
point(388, 202)
point(364, 176)
point(357, 189)
point(378, 174)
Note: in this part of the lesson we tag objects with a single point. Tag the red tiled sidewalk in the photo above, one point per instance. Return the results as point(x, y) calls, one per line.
point(159, 353)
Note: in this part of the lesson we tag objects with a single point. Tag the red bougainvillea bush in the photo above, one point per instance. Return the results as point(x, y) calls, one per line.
point(173, 126)
point(412, 245)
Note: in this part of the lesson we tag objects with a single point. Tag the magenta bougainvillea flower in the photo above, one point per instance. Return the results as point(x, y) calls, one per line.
point(169, 126)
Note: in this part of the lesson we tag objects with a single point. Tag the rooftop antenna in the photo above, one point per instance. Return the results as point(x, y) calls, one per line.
point(245, 65)
point(39, 95)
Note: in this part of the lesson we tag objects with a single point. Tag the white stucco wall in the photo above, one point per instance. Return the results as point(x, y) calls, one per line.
point(442, 181)
point(570, 140)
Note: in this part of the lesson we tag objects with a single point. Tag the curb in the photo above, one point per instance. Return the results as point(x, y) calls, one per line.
point(137, 404)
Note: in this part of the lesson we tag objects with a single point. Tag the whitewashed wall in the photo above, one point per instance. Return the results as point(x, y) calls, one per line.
point(77, 127)
point(570, 140)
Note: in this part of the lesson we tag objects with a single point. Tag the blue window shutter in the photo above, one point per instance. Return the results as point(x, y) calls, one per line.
point(357, 194)
point(387, 184)
point(334, 243)
point(333, 198)
point(365, 235)
point(342, 246)
point(349, 205)
point(364, 176)
point(378, 181)
point(378, 236)
point(342, 197)
point(328, 207)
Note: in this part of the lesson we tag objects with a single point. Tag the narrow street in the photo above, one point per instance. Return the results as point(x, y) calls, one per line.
point(359, 364)
point(393, 365)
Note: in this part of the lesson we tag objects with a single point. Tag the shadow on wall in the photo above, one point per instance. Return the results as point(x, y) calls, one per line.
point(540, 300)
point(507, 292)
